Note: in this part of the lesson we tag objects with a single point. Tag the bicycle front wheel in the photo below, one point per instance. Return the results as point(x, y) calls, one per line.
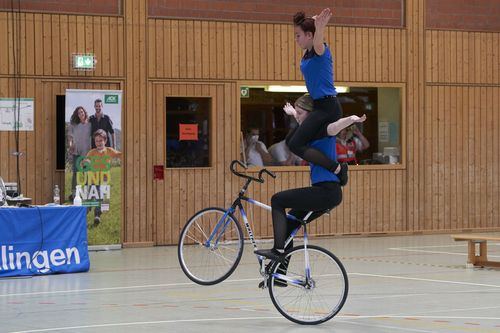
point(314, 301)
point(210, 246)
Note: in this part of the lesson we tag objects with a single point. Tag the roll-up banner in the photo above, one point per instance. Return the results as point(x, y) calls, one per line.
point(93, 160)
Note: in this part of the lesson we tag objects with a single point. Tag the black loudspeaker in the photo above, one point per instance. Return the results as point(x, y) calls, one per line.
point(60, 132)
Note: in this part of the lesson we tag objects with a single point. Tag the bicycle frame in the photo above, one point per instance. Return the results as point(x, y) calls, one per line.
point(237, 204)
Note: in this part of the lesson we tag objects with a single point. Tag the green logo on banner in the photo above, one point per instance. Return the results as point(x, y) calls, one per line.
point(111, 99)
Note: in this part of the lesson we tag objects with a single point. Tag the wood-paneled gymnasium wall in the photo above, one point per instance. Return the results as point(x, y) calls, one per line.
point(449, 179)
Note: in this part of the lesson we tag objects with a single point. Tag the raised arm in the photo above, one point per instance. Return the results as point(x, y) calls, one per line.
point(339, 125)
point(364, 141)
point(290, 110)
point(320, 22)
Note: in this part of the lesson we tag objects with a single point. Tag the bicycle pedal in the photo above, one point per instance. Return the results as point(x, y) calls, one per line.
point(262, 285)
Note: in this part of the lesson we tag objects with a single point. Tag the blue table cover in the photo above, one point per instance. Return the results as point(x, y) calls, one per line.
point(43, 240)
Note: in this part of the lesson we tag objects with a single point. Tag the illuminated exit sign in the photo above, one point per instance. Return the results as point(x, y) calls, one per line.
point(85, 62)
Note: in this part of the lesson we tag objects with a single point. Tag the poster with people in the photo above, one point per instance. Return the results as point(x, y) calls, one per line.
point(93, 160)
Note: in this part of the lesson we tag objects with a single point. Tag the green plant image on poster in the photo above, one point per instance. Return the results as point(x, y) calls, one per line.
point(108, 231)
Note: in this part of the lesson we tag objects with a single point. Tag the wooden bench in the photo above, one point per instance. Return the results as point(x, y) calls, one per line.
point(480, 260)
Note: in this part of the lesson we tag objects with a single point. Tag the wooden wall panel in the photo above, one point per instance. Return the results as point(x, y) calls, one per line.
point(253, 51)
point(462, 57)
point(463, 149)
point(138, 142)
point(387, 13)
point(47, 42)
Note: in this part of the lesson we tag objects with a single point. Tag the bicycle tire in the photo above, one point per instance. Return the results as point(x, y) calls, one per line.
point(324, 300)
point(210, 264)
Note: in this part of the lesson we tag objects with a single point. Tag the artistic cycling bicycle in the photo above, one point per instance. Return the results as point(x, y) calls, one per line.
point(308, 287)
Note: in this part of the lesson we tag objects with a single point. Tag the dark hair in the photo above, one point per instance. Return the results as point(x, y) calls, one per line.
point(97, 101)
point(305, 23)
point(251, 127)
point(75, 120)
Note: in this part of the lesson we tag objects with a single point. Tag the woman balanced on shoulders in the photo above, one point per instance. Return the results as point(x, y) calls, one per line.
point(317, 67)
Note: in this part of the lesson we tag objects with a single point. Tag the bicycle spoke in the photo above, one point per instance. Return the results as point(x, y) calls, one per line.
point(210, 264)
point(321, 298)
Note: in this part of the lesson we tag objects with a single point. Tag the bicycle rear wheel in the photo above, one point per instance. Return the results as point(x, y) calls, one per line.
point(316, 302)
point(209, 251)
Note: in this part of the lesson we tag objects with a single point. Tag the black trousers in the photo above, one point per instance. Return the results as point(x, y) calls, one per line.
point(314, 127)
point(318, 197)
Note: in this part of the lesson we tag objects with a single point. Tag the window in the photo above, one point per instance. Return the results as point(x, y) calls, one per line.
point(376, 141)
point(188, 123)
point(60, 132)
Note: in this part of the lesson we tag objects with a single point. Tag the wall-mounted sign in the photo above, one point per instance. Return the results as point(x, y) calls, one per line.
point(383, 131)
point(158, 172)
point(85, 62)
point(188, 132)
point(244, 92)
point(17, 114)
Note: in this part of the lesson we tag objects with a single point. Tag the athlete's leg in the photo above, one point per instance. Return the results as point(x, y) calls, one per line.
point(315, 198)
point(314, 127)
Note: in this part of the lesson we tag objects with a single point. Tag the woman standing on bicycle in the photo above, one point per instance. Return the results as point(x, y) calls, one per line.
point(317, 67)
point(324, 193)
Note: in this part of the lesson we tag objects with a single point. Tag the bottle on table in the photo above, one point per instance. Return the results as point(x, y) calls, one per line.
point(77, 201)
point(57, 195)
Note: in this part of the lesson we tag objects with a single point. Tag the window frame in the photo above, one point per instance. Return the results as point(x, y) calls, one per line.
point(211, 128)
point(402, 128)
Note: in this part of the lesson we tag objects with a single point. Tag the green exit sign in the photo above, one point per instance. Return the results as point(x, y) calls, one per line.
point(84, 61)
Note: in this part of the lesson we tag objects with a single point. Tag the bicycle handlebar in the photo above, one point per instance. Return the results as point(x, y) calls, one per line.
point(261, 172)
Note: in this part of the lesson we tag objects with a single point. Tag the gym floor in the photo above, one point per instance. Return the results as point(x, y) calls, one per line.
point(397, 284)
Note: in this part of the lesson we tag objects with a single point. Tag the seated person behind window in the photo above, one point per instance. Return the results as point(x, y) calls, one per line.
point(282, 155)
point(255, 151)
point(349, 141)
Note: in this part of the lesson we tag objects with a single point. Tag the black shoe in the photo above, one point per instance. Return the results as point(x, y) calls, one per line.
point(277, 283)
point(282, 269)
point(271, 254)
point(97, 221)
point(343, 174)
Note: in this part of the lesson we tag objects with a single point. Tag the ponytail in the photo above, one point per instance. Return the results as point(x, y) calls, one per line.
point(305, 23)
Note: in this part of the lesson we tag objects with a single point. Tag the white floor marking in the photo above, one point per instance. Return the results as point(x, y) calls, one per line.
point(434, 252)
point(372, 325)
point(463, 244)
point(425, 280)
point(412, 316)
point(97, 289)
point(458, 309)
point(361, 297)
point(343, 319)
point(167, 285)
point(67, 328)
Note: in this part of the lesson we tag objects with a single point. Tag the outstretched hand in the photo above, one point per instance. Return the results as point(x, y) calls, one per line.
point(321, 20)
point(289, 110)
point(356, 119)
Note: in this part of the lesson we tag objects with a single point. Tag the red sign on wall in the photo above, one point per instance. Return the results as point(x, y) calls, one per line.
point(158, 173)
point(188, 132)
